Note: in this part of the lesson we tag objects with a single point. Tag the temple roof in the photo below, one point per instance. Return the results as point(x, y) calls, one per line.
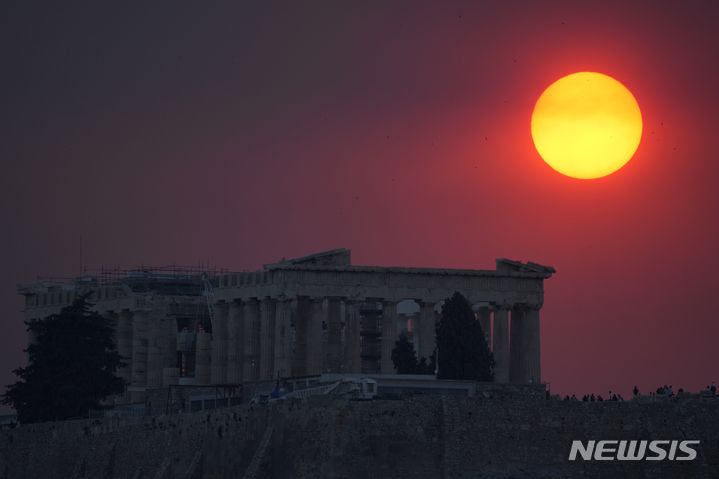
point(340, 260)
point(333, 257)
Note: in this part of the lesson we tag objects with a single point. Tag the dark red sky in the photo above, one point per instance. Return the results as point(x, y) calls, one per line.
point(241, 134)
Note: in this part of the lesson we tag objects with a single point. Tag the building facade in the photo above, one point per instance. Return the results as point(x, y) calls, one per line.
point(305, 316)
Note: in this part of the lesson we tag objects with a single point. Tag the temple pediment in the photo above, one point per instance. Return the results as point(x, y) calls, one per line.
point(334, 257)
point(505, 265)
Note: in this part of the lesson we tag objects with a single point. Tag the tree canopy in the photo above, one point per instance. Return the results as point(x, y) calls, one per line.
point(72, 361)
point(462, 349)
point(405, 358)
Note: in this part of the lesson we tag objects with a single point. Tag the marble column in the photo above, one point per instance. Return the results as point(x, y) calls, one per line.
point(154, 364)
point(166, 341)
point(267, 338)
point(251, 337)
point(283, 338)
point(234, 343)
point(532, 355)
point(218, 374)
point(170, 358)
point(113, 321)
point(427, 334)
point(203, 353)
point(314, 337)
point(139, 355)
point(500, 343)
point(483, 315)
point(389, 336)
point(301, 315)
point(333, 349)
point(517, 346)
point(124, 347)
point(352, 358)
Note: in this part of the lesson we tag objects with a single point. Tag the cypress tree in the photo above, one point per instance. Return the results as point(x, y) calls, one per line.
point(462, 349)
point(71, 366)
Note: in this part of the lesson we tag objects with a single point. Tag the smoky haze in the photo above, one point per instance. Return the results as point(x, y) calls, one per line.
point(238, 134)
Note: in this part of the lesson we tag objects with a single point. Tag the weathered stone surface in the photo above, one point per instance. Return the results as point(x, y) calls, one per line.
point(416, 438)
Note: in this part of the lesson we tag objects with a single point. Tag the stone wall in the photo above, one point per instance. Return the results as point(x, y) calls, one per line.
point(417, 438)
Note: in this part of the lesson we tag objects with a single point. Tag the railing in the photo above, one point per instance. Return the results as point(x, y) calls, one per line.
point(316, 391)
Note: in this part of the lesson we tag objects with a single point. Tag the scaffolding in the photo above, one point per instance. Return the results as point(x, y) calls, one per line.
point(170, 279)
point(108, 275)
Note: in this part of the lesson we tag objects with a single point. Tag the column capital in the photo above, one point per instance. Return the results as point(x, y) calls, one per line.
point(503, 305)
point(526, 306)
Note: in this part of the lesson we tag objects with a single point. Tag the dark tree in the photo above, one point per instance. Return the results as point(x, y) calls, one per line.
point(425, 367)
point(72, 362)
point(403, 356)
point(462, 349)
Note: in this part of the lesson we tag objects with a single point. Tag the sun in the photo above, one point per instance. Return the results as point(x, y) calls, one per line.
point(586, 125)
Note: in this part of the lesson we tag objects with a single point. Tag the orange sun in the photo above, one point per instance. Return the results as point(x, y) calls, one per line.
point(586, 125)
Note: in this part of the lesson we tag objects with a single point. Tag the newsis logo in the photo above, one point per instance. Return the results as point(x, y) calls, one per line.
point(632, 450)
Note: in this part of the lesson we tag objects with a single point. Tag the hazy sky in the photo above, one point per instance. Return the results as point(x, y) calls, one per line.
point(242, 133)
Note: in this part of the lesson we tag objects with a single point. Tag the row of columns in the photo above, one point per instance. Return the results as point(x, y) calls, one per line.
point(255, 339)
point(251, 340)
point(147, 342)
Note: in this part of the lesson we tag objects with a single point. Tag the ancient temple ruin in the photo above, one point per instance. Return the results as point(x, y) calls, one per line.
point(297, 317)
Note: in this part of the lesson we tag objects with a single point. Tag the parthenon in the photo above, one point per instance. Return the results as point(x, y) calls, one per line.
point(297, 317)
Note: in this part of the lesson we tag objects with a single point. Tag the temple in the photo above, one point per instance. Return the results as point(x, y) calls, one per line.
point(297, 317)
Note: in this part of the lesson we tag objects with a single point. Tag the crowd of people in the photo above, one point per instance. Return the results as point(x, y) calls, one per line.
point(664, 391)
point(595, 398)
